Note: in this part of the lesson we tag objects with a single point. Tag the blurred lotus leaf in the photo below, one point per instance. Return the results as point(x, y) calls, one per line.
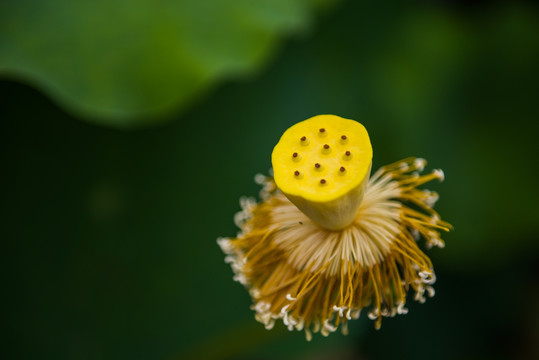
point(123, 62)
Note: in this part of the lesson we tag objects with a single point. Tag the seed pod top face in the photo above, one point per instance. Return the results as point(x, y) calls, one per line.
point(322, 158)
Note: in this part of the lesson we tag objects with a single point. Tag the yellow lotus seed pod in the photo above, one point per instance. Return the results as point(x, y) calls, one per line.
point(322, 165)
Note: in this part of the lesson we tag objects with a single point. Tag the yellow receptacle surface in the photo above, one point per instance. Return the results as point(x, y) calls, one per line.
point(322, 158)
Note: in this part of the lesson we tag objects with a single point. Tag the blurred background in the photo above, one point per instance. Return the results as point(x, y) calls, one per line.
point(129, 130)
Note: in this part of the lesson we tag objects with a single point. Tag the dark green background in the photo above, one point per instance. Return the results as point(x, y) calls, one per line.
point(109, 235)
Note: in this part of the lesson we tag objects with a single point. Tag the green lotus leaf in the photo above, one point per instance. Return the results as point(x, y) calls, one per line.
point(124, 62)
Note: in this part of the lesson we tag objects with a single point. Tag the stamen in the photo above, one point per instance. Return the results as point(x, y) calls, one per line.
point(401, 310)
point(329, 326)
point(296, 173)
point(260, 179)
point(295, 155)
point(270, 324)
point(290, 298)
point(373, 314)
point(439, 174)
point(308, 335)
point(342, 169)
point(420, 163)
point(322, 181)
point(317, 165)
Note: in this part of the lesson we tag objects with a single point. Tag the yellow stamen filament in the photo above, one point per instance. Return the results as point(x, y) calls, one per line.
point(317, 280)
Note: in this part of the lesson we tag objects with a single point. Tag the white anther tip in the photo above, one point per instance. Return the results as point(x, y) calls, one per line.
point(420, 163)
point(439, 174)
point(290, 298)
point(260, 179)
